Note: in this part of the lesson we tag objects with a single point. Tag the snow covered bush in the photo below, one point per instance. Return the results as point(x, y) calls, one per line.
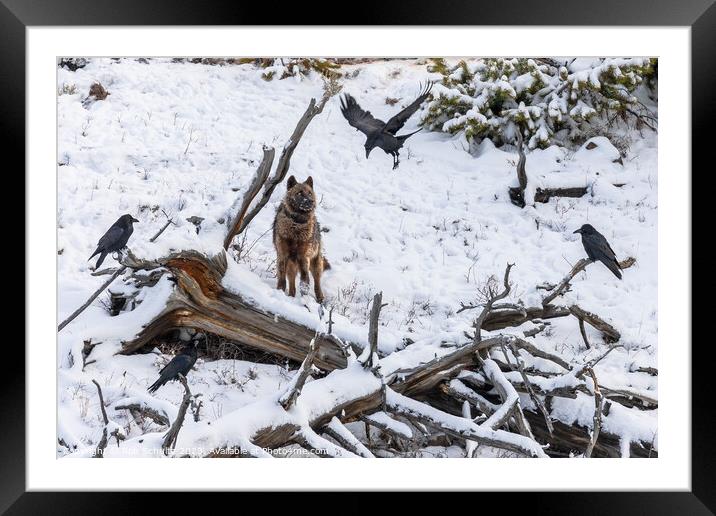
point(294, 67)
point(552, 101)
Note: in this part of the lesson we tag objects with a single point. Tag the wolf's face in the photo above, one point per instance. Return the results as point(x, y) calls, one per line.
point(300, 196)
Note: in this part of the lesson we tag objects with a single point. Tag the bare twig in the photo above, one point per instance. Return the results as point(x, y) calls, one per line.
point(556, 291)
point(578, 267)
point(294, 389)
point(373, 331)
point(96, 293)
point(252, 191)
point(101, 402)
point(104, 272)
point(165, 226)
point(170, 438)
point(597, 414)
point(492, 298)
point(330, 320)
point(145, 411)
point(99, 451)
point(611, 334)
point(583, 331)
point(533, 396)
point(580, 372)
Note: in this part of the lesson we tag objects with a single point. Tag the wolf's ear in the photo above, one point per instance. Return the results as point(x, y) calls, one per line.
point(291, 182)
point(309, 181)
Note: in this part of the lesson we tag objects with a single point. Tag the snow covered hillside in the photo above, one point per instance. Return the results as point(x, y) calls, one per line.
point(182, 140)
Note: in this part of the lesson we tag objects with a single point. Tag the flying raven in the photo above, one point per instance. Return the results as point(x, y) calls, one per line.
point(378, 133)
point(180, 364)
point(598, 248)
point(115, 238)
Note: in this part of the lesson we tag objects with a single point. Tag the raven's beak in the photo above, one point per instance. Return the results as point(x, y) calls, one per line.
point(577, 231)
point(134, 220)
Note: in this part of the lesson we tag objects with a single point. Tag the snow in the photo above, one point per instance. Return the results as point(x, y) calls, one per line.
point(383, 420)
point(186, 138)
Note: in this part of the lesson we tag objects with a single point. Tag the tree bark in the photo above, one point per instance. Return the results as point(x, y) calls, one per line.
point(200, 301)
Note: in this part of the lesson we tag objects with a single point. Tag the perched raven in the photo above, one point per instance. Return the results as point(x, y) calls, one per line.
point(378, 133)
point(180, 364)
point(115, 238)
point(598, 248)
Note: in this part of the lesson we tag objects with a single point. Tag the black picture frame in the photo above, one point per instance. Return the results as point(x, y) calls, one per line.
point(700, 15)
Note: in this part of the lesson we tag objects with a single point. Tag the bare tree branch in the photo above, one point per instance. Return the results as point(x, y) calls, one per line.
point(322, 447)
point(583, 331)
point(258, 181)
point(578, 267)
point(461, 428)
point(611, 334)
point(158, 233)
point(597, 414)
point(170, 438)
point(137, 409)
point(289, 397)
point(99, 450)
point(372, 349)
point(533, 396)
point(492, 298)
point(345, 438)
point(94, 295)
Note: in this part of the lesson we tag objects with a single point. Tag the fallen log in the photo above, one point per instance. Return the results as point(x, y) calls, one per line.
point(611, 334)
point(500, 319)
point(200, 301)
point(543, 195)
point(565, 440)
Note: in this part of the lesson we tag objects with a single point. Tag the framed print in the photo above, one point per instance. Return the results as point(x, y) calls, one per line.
point(454, 253)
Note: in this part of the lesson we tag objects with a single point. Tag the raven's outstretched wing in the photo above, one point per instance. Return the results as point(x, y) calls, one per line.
point(398, 121)
point(359, 118)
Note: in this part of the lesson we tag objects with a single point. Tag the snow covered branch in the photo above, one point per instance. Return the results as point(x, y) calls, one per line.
point(294, 389)
point(170, 438)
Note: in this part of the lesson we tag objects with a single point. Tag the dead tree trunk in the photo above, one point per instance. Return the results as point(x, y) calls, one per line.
point(200, 301)
point(517, 195)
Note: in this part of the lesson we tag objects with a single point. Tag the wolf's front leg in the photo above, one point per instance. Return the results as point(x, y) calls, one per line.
point(303, 268)
point(291, 270)
point(281, 274)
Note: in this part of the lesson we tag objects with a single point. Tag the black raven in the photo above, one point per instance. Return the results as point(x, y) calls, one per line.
point(598, 248)
point(378, 133)
point(180, 364)
point(115, 238)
